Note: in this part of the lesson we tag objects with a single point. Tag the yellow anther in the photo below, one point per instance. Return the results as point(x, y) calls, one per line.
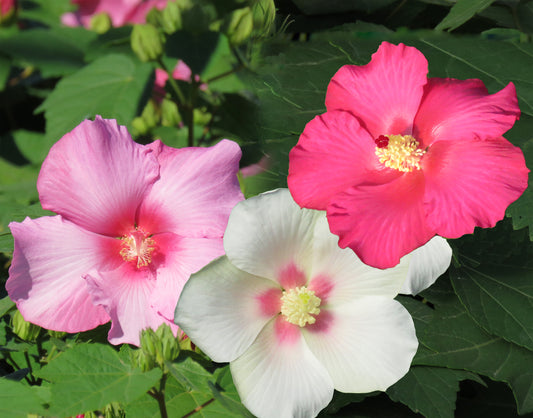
point(298, 305)
point(137, 246)
point(401, 153)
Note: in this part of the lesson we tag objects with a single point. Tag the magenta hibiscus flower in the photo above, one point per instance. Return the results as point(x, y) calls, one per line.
point(134, 221)
point(399, 157)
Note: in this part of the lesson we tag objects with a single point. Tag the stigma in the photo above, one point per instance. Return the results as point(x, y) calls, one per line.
point(298, 305)
point(137, 247)
point(400, 152)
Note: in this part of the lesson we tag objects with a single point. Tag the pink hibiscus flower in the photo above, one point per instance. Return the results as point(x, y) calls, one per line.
point(121, 12)
point(134, 221)
point(399, 157)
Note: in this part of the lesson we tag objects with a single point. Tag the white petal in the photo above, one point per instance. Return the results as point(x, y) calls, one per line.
point(426, 264)
point(345, 275)
point(367, 344)
point(281, 380)
point(269, 232)
point(219, 309)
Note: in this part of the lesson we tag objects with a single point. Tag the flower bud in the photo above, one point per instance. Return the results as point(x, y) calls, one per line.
point(7, 11)
point(170, 116)
point(25, 330)
point(171, 19)
point(264, 14)
point(238, 26)
point(56, 334)
point(146, 42)
point(100, 22)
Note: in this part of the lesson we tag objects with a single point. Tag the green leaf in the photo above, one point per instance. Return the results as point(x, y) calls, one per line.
point(18, 400)
point(89, 376)
point(5, 69)
point(320, 7)
point(461, 12)
point(6, 304)
point(33, 145)
point(190, 375)
point(54, 52)
point(195, 49)
point(46, 11)
point(220, 62)
point(455, 341)
point(112, 86)
point(430, 391)
point(499, 298)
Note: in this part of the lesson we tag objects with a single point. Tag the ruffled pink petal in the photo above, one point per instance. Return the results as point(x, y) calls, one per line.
point(196, 192)
point(368, 345)
point(471, 183)
point(45, 278)
point(221, 309)
point(96, 177)
point(281, 379)
point(385, 93)
point(182, 257)
point(138, 13)
point(125, 295)
point(382, 223)
point(182, 71)
point(333, 153)
point(463, 110)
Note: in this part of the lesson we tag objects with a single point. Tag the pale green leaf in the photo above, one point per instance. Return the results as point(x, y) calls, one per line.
point(89, 376)
point(112, 86)
point(18, 400)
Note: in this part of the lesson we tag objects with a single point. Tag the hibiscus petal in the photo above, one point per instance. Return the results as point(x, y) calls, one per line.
point(333, 153)
point(125, 294)
point(368, 345)
point(471, 183)
point(276, 379)
point(96, 176)
point(269, 234)
point(220, 309)
point(338, 275)
point(385, 93)
point(462, 109)
point(426, 264)
point(45, 278)
point(196, 192)
point(381, 223)
point(182, 257)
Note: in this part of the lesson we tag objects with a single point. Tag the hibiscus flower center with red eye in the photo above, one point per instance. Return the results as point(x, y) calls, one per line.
point(400, 152)
point(137, 246)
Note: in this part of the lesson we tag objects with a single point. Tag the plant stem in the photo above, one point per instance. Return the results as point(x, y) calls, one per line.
point(198, 408)
point(225, 74)
point(159, 396)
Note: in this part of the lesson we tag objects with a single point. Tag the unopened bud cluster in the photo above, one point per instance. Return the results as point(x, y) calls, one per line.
point(157, 347)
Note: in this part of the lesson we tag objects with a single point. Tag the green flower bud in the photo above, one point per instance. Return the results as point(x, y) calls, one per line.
point(238, 26)
point(149, 342)
point(264, 14)
point(170, 115)
point(171, 20)
point(154, 17)
point(25, 330)
point(201, 116)
point(147, 42)
point(56, 334)
point(100, 23)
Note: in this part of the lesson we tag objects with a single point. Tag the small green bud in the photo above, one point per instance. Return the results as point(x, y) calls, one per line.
point(56, 334)
point(238, 26)
point(24, 329)
point(201, 116)
point(146, 42)
point(264, 14)
point(148, 342)
point(171, 19)
point(154, 17)
point(170, 115)
point(101, 22)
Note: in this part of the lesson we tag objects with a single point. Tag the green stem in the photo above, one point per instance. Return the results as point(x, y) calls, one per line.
point(225, 74)
point(159, 396)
